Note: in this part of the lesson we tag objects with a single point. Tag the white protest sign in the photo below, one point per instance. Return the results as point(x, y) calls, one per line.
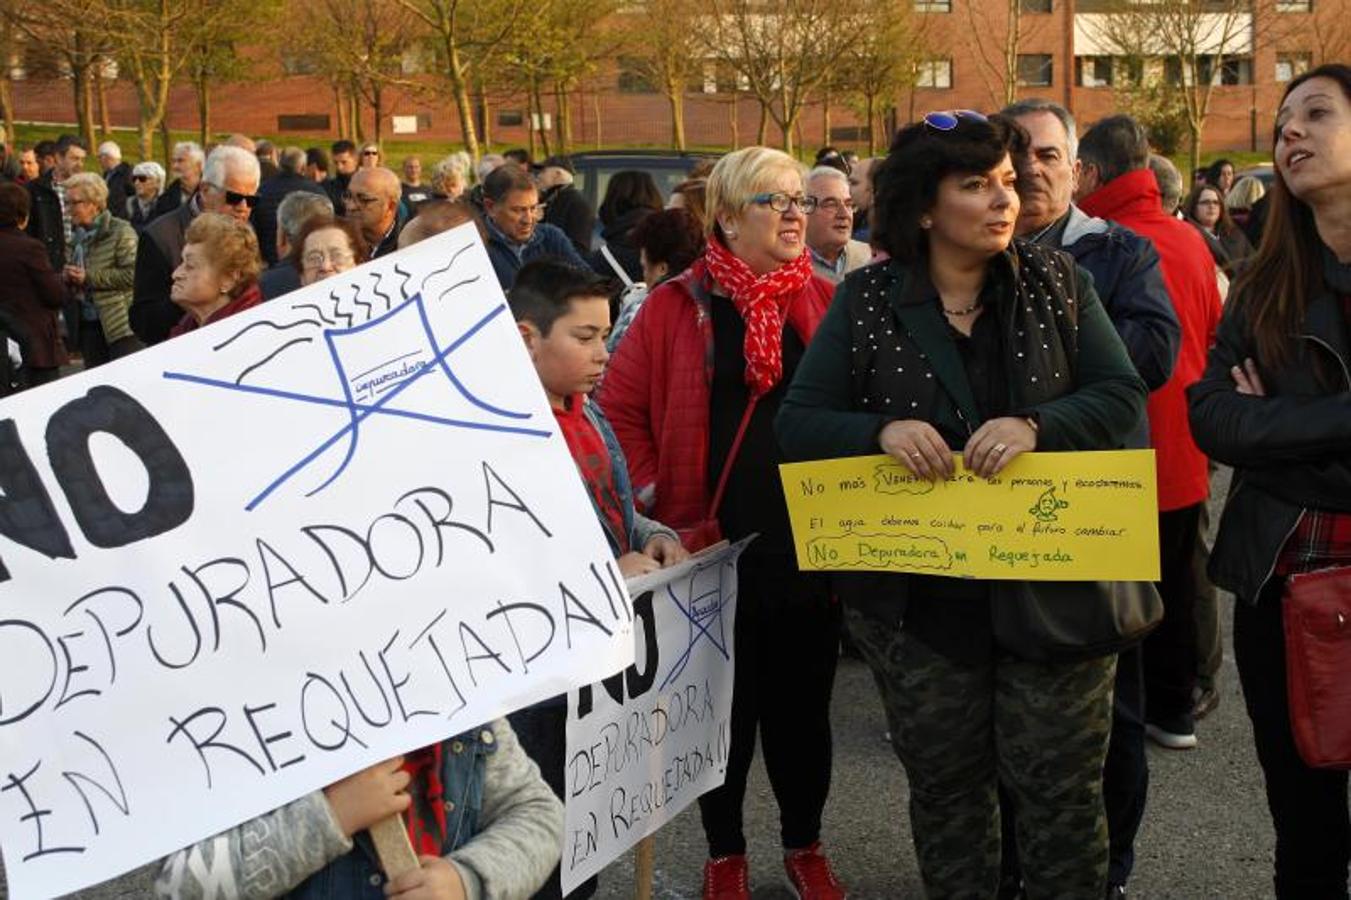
point(249, 561)
point(648, 741)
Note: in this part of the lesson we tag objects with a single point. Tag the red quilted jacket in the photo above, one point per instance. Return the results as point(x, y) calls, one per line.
point(655, 392)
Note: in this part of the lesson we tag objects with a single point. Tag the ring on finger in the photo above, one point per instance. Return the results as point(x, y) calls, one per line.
point(916, 454)
point(1000, 448)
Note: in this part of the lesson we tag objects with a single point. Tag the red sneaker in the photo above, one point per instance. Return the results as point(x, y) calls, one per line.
point(810, 875)
point(727, 878)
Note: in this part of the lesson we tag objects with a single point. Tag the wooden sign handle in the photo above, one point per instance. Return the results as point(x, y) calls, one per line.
point(644, 865)
point(392, 845)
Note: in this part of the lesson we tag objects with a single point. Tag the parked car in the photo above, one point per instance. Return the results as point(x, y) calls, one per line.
point(1263, 172)
point(668, 167)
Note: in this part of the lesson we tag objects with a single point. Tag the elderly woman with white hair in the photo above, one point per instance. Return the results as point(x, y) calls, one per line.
point(101, 271)
point(692, 393)
point(147, 184)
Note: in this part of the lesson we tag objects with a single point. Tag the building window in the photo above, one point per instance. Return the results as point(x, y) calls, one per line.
point(1035, 6)
point(298, 64)
point(1034, 69)
point(1290, 66)
point(303, 122)
point(510, 118)
point(1232, 70)
point(1093, 71)
point(935, 73)
point(632, 79)
point(939, 6)
point(1299, 6)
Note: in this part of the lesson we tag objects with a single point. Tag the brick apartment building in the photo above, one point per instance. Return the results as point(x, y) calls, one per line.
point(1059, 55)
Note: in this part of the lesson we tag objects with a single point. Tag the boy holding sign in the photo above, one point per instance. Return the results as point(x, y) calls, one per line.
point(563, 315)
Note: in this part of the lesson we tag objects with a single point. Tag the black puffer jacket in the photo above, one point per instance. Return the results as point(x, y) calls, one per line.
point(1291, 449)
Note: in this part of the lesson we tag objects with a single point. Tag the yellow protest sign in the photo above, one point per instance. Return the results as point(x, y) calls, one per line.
point(1047, 517)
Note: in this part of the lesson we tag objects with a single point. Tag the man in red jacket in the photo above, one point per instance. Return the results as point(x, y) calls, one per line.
point(1117, 184)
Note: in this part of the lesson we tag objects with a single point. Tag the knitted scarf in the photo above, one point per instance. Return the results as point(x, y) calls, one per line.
point(762, 301)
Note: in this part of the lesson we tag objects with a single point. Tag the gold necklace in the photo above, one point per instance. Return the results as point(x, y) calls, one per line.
point(961, 312)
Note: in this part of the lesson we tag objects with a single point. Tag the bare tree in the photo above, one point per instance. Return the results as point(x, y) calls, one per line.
point(1190, 47)
point(466, 34)
point(1331, 33)
point(660, 45)
point(213, 58)
point(883, 60)
point(783, 53)
point(68, 34)
point(998, 33)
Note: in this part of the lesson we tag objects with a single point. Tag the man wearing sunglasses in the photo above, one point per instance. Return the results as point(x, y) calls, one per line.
point(229, 186)
point(372, 201)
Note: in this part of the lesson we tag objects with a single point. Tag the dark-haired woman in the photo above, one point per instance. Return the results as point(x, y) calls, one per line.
point(630, 197)
point(668, 243)
point(1205, 209)
point(968, 343)
point(1275, 403)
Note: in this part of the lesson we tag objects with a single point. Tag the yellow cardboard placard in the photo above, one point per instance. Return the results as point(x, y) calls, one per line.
point(1046, 517)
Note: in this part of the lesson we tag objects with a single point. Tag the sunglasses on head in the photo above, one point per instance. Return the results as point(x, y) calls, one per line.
point(946, 120)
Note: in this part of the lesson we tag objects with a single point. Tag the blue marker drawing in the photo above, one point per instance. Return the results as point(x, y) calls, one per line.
point(379, 380)
point(704, 613)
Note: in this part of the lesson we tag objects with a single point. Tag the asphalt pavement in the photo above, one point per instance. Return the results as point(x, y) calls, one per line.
point(1206, 832)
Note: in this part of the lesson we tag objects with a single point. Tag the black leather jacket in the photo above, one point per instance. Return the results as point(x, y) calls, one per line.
point(1291, 450)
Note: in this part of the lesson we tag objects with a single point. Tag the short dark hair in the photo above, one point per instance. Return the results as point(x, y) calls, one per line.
point(672, 236)
point(1115, 145)
point(66, 141)
point(317, 157)
point(44, 148)
point(905, 183)
point(343, 146)
point(629, 190)
point(506, 178)
point(545, 288)
point(360, 249)
point(561, 162)
point(14, 204)
point(518, 155)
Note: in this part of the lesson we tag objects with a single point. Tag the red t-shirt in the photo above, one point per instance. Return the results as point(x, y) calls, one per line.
point(593, 462)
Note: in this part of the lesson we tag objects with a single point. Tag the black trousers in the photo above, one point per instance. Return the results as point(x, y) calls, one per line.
point(1170, 650)
point(96, 350)
point(1308, 806)
point(787, 644)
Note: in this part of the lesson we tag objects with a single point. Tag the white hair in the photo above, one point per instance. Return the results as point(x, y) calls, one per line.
point(110, 148)
point(191, 151)
point(828, 172)
point(152, 169)
point(489, 163)
point(225, 159)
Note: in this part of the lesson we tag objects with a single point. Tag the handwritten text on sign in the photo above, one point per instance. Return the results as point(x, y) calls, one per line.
point(648, 741)
point(1047, 517)
point(247, 562)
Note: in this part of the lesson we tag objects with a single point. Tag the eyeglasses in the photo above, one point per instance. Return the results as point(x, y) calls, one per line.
point(234, 198)
point(336, 258)
point(780, 201)
point(832, 205)
point(946, 120)
point(370, 152)
point(1207, 203)
point(140, 178)
point(362, 200)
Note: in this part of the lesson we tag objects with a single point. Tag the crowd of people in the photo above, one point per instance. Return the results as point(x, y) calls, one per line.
point(995, 285)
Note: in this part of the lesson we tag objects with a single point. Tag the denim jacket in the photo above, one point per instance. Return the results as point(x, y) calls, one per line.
point(639, 527)
point(357, 875)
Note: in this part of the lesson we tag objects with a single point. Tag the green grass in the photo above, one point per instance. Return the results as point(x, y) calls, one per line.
point(398, 148)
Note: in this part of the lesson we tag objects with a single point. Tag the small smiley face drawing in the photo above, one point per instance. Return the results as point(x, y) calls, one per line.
point(1047, 506)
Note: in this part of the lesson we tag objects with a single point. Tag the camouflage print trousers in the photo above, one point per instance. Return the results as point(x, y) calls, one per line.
point(1040, 728)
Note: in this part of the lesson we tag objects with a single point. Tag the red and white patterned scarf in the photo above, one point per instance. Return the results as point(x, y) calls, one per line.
point(762, 301)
